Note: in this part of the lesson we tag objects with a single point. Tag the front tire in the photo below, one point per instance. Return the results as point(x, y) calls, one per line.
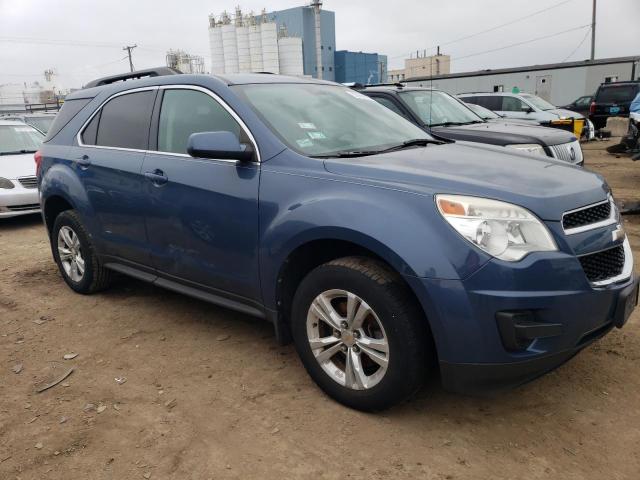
point(75, 255)
point(360, 334)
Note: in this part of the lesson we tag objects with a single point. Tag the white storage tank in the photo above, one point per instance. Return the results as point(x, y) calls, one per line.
point(255, 48)
point(290, 53)
point(216, 48)
point(230, 48)
point(244, 55)
point(269, 35)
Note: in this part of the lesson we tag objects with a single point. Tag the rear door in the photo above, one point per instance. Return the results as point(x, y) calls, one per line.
point(109, 159)
point(201, 214)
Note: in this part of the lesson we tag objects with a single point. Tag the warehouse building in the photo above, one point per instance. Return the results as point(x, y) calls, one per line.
point(359, 67)
point(558, 83)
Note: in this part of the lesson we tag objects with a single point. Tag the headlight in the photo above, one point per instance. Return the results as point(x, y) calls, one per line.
point(6, 183)
point(532, 148)
point(503, 230)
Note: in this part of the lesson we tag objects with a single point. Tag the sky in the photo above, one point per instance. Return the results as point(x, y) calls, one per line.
point(83, 39)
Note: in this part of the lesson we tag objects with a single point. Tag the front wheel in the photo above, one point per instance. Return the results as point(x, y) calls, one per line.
point(360, 334)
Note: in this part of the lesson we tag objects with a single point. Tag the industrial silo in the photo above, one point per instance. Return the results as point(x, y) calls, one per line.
point(215, 46)
point(230, 47)
point(269, 36)
point(244, 55)
point(290, 53)
point(255, 48)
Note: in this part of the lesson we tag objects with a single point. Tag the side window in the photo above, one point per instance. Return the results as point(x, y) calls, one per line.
point(512, 104)
point(124, 121)
point(70, 109)
point(90, 133)
point(185, 112)
point(390, 104)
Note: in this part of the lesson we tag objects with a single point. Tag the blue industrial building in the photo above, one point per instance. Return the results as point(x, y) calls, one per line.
point(359, 67)
point(300, 22)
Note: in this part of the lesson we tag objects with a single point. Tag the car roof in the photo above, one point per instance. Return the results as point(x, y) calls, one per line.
point(195, 79)
point(621, 83)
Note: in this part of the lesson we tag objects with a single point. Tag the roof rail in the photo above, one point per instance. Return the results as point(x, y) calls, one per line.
point(389, 84)
point(149, 72)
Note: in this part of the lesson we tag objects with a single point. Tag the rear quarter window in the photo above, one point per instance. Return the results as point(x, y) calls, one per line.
point(70, 109)
point(617, 93)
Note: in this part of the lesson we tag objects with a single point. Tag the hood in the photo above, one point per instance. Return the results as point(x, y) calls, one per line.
point(505, 133)
point(15, 166)
point(543, 185)
point(561, 112)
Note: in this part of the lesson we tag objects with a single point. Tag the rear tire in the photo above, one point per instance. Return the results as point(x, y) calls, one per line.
point(75, 255)
point(360, 334)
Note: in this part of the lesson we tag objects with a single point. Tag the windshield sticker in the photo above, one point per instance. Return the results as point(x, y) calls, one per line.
point(307, 126)
point(304, 143)
point(316, 135)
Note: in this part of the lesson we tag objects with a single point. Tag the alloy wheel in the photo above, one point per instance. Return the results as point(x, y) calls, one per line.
point(70, 253)
point(347, 339)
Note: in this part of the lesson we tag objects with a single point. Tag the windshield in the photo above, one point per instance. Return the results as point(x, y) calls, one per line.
point(41, 123)
point(321, 120)
point(435, 108)
point(482, 112)
point(19, 139)
point(538, 102)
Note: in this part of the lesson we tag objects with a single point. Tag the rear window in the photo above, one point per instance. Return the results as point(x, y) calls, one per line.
point(617, 93)
point(70, 109)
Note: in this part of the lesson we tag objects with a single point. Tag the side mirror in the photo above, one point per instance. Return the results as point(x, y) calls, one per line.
point(221, 145)
point(526, 109)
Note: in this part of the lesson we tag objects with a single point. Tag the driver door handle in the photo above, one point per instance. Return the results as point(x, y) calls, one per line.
point(157, 177)
point(83, 162)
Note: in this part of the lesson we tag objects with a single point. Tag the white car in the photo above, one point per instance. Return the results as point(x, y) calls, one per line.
point(18, 182)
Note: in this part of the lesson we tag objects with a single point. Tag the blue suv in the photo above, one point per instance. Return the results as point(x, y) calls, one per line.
point(380, 251)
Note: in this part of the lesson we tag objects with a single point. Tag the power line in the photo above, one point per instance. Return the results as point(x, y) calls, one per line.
point(511, 22)
point(522, 43)
point(579, 45)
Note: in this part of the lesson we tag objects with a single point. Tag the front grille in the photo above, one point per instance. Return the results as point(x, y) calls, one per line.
point(21, 208)
point(568, 152)
point(587, 216)
point(28, 182)
point(603, 265)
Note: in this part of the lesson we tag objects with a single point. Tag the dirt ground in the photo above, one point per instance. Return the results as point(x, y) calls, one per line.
point(209, 393)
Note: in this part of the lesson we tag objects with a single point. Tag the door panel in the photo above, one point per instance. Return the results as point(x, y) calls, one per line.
point(203, 222)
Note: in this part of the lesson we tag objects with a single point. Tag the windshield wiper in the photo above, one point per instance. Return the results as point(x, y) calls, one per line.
point(449, 124)
point(347, 154)
point(17, 152)
point(361, 153)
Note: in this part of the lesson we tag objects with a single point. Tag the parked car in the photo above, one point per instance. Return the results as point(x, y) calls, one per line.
point(382, 251)
point(522, 106)
point(445, 116)
point(612, 100)
point(40, 121)
point(18, 184)
point(580, 105)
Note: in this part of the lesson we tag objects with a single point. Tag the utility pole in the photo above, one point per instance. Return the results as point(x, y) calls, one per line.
point(128, 48)
point(316, 5)
point(593, 32)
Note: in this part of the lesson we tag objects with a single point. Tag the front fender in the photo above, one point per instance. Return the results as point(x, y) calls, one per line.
point(402, 228)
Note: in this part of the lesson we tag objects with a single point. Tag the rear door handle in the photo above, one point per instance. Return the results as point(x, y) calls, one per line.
point(83, 162)
point(157, 177)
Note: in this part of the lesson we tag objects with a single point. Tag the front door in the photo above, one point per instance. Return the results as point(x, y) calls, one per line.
point(108, 162)
point(202, 214)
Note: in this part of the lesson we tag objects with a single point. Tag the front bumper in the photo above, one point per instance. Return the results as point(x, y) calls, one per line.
point(550, 287)
point(18, 201)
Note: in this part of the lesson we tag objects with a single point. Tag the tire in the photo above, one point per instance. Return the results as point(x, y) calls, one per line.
point(94, 277)
point(366, 283)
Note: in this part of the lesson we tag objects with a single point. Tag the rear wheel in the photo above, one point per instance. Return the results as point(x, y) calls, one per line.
point(360, 334)
point(75, 255)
